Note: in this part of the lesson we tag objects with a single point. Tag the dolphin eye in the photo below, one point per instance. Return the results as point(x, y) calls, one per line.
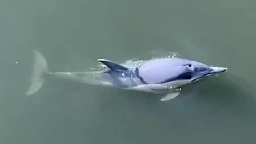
point(190, 67)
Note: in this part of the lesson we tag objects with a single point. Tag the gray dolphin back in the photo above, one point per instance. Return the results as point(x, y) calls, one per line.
point(164, 70)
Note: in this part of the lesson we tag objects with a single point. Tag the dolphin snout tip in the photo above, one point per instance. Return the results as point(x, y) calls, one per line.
point(219, 69)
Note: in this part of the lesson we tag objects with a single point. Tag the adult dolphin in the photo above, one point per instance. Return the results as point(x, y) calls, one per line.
point(161, 75)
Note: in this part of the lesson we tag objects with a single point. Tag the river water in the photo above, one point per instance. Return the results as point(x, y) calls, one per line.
point(72, 35)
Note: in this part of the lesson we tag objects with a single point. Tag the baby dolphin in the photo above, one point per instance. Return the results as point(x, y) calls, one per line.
point(161, 75)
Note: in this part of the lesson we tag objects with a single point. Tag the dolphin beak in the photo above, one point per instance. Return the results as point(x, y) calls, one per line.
point(217, 70)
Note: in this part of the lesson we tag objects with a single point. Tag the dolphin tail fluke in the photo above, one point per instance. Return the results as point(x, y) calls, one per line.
point(39, 71)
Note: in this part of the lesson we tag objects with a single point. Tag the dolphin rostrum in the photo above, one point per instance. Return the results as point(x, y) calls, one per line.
point(162, 75)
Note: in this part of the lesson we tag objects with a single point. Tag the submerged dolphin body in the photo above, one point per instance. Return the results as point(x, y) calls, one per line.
point(163, 75)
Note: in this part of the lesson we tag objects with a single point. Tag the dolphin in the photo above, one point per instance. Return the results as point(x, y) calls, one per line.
point(161, 75)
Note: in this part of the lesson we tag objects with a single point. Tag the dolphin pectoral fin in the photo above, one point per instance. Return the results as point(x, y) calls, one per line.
point(112, 65)
point(170, 96)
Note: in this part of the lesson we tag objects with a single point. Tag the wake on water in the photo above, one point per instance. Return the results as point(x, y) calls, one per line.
point(40, 68)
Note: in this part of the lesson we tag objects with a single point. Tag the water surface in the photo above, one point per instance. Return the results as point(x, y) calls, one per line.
point(73, 34)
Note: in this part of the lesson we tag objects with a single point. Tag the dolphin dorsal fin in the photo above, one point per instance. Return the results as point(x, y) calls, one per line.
point(112, 65)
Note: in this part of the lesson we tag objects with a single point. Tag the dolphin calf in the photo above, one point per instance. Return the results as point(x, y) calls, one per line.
point(161, 75)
